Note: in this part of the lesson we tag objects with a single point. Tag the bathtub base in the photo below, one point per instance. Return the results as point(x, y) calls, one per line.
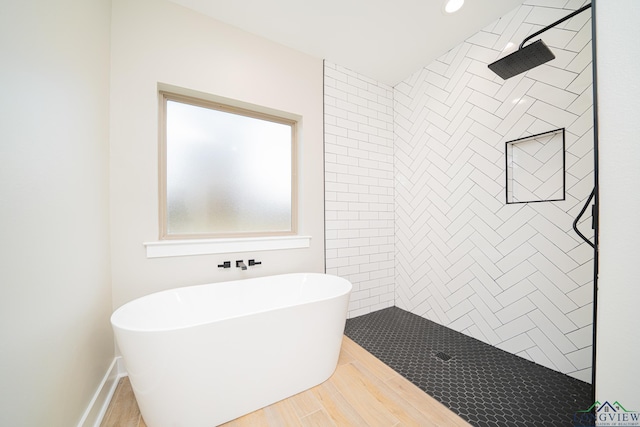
point(242, 374)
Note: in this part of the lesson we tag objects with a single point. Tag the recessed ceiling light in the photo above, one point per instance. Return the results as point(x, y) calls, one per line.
point(451, 6)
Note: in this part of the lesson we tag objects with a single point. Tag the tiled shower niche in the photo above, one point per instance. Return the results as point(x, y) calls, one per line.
point(535, 168)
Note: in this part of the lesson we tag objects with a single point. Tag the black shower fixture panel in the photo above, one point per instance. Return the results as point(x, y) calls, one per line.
point(524, 59)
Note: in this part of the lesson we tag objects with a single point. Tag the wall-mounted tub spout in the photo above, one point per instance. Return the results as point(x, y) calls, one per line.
point(240, 263)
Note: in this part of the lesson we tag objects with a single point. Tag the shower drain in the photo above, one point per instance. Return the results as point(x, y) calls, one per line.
point(443, 356)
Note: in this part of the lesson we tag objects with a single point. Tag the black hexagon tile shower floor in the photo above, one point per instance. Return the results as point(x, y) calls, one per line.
point(483, 384)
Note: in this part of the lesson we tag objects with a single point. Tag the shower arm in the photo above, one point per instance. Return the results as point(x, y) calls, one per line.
point(560, 21)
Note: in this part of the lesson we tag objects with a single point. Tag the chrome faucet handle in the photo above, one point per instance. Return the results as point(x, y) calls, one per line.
point(253, 262)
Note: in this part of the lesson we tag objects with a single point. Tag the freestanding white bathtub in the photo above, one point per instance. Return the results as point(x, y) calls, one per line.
point(202, 355)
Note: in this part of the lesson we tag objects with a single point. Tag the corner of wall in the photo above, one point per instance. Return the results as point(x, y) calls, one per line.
point(359, 189)
point(97, 408)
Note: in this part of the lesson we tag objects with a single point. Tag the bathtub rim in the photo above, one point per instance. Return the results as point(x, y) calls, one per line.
point(119, 326)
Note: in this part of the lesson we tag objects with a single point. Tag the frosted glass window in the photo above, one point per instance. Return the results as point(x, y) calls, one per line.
point(227, 172)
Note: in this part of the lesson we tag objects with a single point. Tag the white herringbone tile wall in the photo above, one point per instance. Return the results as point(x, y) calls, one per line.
point(515, 276)
point(359, 209)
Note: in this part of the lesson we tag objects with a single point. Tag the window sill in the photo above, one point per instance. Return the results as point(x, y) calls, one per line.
point(171, 248)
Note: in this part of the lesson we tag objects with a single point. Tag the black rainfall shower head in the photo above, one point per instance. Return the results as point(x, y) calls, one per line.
point(523, 59)
point(526, 58)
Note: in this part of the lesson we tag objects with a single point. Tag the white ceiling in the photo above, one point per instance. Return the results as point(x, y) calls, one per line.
point(381, 39)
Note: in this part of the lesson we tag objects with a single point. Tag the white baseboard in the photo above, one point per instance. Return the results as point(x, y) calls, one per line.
point(97, 408)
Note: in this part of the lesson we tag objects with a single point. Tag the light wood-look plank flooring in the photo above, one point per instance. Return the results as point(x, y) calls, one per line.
point(363, 391)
